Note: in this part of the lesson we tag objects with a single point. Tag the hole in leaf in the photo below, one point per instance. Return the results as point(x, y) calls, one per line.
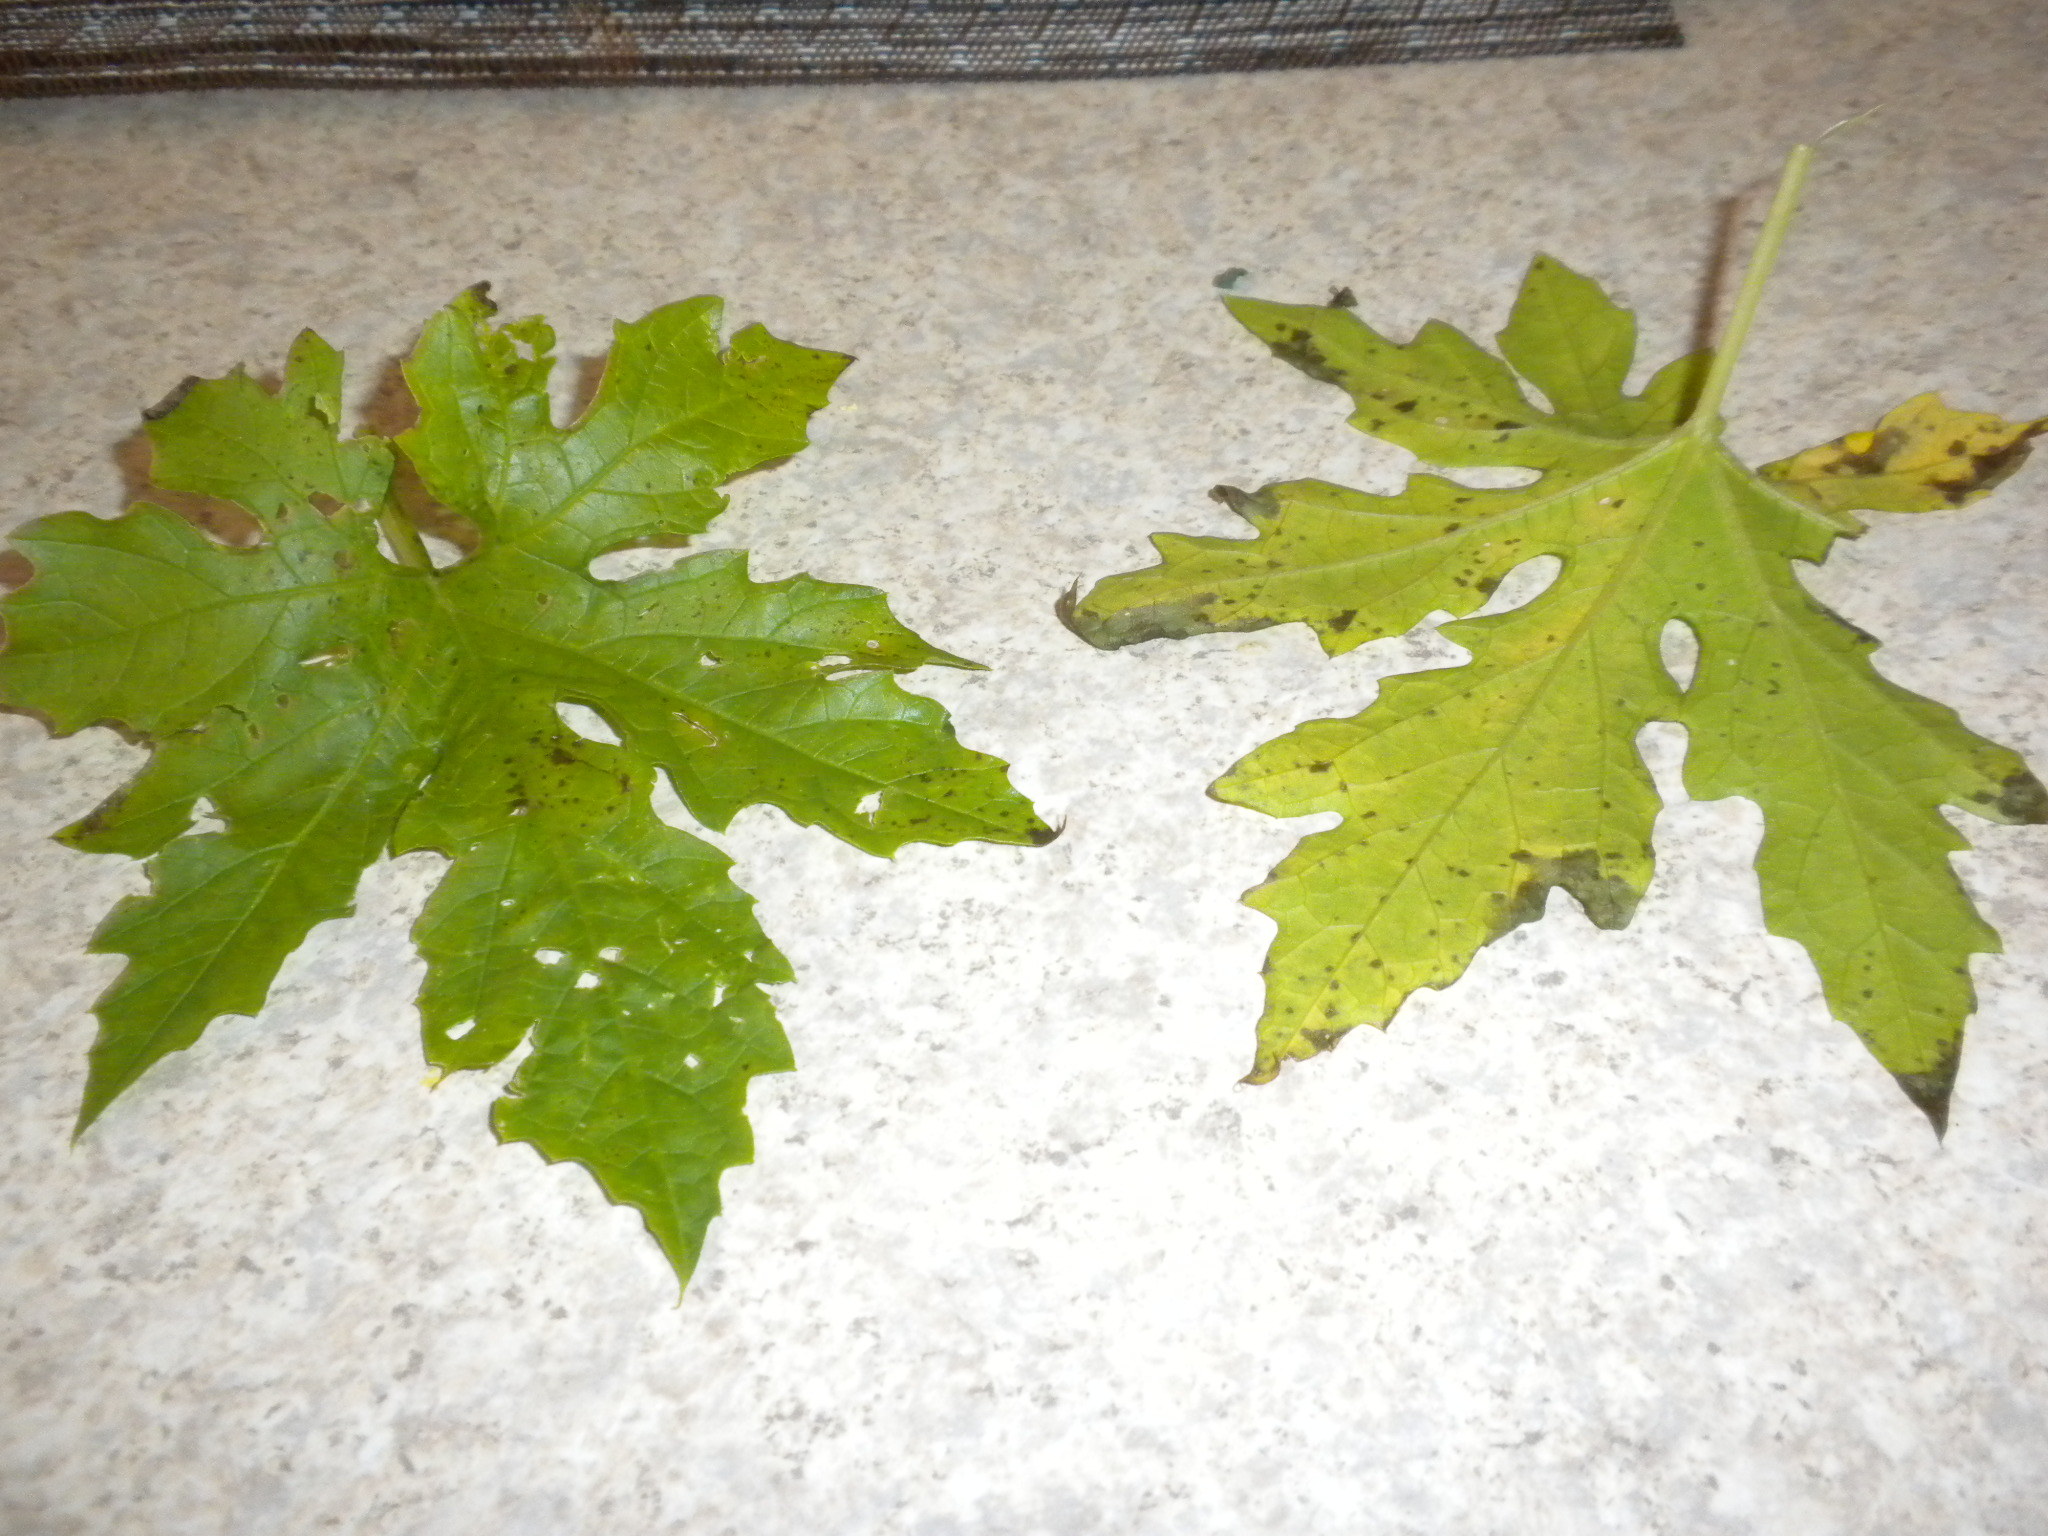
point(204, 818)
point(441, 552)
point(693, 1061)
point(1523, 585)
point(1661, 744)
point(1678, 647)
point(833, 661)
point(437, 524)
point(457, 1031)
point(611, 952)
point(624, 565)
point(1489, 477)
point(586, 981)
point(573, 390)
point(874, 645)
point(587, 723)
point(506, 902)
point(549, 956)
point(869, 804)
point(706, 659)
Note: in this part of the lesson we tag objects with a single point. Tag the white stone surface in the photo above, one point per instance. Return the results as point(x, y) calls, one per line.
point(1621, 1233)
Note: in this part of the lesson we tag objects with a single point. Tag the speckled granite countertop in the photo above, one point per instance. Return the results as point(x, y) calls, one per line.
point(1621, 1233)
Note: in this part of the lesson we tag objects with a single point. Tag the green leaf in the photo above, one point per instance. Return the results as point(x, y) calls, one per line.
point(1467, 794)
point(674, 418)
point(327, 697)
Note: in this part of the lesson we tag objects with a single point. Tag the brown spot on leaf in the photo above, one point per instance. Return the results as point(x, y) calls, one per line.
point(174, 399)
point(1996, 465)
point(2022, 799)
point(95, 820)
point(1930, 1090)
point(1297, 346)
point(1233, 497)
point(1608, 901)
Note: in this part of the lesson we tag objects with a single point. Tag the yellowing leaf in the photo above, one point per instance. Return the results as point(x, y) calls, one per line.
point(331, 698)
point(1922, 457)
point(1468, 793)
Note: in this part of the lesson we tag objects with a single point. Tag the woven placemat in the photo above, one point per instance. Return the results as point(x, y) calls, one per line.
point(49, 48)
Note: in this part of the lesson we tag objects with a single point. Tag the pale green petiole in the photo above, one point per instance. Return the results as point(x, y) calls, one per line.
point(1705, 420)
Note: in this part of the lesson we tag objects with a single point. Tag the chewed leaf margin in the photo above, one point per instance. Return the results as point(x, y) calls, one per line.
point(1466, 794)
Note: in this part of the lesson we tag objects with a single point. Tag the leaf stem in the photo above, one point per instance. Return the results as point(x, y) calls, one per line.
point(1706, 413)
point(404, 539)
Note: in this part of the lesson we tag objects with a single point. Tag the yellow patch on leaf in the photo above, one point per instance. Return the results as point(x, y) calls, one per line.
point(1922, 457)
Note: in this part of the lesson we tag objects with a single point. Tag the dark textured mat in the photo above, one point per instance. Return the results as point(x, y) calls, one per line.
point(59, 49)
